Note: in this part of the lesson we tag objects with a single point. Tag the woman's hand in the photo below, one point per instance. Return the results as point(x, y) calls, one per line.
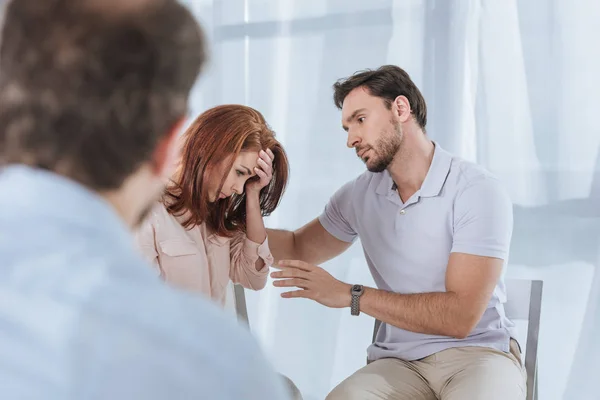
point(264, 171)
point(255, 227)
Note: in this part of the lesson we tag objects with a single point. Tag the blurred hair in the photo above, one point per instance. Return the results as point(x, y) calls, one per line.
point(88, 88)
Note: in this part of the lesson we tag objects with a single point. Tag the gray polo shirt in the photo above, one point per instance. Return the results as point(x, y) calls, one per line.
point(460, 208)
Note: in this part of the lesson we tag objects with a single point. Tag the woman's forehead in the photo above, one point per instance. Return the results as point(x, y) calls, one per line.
point(247, 158)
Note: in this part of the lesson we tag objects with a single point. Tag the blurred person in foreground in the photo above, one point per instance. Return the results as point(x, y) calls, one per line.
point(92, 93)
point(435, 231)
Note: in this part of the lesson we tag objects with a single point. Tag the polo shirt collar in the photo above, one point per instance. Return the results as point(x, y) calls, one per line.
point(438, 172)
point(434, 181)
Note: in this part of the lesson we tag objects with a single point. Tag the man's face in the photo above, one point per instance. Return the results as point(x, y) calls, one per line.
point(372, 129)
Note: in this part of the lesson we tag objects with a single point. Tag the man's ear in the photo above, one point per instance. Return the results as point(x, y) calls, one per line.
point(401, 108)
point(166, 154)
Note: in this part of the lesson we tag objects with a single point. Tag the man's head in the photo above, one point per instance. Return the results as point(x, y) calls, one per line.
point(95, 89)
point(377, 106)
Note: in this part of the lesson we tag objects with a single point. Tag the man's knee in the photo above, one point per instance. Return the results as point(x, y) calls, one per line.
point(383, 380)
point(487, 373)
point(368, 383)
point(350, 389)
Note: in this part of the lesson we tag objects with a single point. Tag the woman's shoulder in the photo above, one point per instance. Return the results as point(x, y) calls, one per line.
point(157, 212)
point(167, 226)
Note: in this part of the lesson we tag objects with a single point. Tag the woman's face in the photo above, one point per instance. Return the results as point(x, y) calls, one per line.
point(240, 172)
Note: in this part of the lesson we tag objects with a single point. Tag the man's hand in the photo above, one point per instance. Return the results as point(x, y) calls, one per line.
point(315, 283)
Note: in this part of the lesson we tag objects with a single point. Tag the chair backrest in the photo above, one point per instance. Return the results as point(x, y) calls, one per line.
point(524, 301)
point(518, 294)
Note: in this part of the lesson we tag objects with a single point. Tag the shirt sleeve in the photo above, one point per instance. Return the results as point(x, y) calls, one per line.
point(244, 254)
point(483, 220)
point(336, 216)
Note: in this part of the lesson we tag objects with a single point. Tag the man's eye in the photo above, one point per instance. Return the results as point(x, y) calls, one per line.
point(361, 119)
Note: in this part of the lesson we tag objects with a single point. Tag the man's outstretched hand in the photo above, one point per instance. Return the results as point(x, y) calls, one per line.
point(313, 283)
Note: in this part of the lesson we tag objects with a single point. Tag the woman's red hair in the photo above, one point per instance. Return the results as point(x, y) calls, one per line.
point(218, 134)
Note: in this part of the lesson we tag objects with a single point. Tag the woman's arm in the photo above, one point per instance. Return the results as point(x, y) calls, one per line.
point(255, 227)
point(250, 253)
point(245, 256)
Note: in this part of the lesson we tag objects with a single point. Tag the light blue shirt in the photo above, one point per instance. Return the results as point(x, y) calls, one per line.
point(460, 208)
point(82, 316)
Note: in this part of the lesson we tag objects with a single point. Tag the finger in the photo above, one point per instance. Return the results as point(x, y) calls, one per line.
point(264, 156)
point(264, 166)
point(262, 174)
point(290, 273)
point(295, 264)
point(297, 293)
point(296, 282)
point(270, 153)
point(267, 157)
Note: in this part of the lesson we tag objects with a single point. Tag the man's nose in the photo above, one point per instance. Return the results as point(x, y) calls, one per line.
point(353, 140)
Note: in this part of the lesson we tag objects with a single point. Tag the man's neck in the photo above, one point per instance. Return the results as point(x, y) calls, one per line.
point(119, 204)
point(411, 164)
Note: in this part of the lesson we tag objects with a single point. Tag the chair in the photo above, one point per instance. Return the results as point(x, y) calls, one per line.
point(240, 304)
point(524, 302)
point(242, 313)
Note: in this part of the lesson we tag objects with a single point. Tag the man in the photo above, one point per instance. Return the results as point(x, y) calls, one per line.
point(92, 93)
point(435, 232)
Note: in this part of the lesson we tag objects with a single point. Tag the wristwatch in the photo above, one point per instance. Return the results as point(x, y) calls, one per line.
point(356, 291)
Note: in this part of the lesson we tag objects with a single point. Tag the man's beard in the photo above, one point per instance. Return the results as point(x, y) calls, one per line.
point(385, 150)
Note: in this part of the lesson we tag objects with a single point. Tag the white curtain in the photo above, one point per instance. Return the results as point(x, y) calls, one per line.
point(510, 84)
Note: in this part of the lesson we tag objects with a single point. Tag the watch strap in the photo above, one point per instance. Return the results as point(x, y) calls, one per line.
point(355, 305)
point(356, 292)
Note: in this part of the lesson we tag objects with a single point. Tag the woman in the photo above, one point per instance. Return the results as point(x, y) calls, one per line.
point(208, 228)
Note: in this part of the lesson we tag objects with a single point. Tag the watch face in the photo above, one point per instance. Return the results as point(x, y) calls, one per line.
point(356, 288)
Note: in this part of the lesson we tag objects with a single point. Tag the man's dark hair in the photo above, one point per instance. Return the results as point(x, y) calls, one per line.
point(88, 88)
point(387, 82)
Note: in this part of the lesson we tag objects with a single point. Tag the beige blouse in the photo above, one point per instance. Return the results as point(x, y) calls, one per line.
point(198, 260)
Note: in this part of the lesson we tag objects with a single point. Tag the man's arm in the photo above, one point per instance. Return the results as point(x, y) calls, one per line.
point(470, 281)
point(321, 239)
point(481, 239)
point(311, 243)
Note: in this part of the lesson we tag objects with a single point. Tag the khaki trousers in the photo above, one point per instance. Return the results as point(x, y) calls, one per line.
point(462, 373)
